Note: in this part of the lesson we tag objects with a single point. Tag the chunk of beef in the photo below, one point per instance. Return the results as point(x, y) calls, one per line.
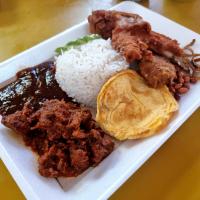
point(19, 120)
point(100, 146)
point(64, 135)
point(54, 162)
point(59, 119)
point(79, 156)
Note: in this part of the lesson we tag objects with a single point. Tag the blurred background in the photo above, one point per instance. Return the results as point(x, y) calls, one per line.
point(173, 172)
point(24, 23)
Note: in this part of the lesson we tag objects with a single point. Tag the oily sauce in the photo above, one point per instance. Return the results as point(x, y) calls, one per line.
point(34, 85)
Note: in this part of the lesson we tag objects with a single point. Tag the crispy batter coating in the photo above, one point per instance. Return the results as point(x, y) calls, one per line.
point(134, 39)
point(163, 45)
point(106, 23)
point(101, 23)
point(158, 71)
point(129, 46)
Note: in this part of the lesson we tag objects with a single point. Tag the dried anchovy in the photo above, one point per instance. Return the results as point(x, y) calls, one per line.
point(196, 61)
point(190, 44)
point(189, 61)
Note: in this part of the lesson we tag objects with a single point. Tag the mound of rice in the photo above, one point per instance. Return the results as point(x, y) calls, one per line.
point(82, 71)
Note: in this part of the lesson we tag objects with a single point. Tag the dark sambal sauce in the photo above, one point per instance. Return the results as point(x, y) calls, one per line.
point(35, 85)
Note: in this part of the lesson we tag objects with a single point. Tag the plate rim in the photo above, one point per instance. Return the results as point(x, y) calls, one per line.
point(25, 187)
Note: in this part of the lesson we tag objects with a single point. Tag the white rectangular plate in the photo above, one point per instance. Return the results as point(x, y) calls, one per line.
point(102, 181)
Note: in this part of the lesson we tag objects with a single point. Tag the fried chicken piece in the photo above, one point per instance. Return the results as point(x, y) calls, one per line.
point(158, 71)
point(101, 22)
point(129, 46)
point(162, 44)
point(110, 23)
point(134, 39)
point(104, 22)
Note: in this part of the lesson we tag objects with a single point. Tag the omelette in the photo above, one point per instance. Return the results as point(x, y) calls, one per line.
point(127, 108)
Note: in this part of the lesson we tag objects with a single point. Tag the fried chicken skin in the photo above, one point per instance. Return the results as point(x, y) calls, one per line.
point(104, 22)
point(129, 46)
point(109, 23)
point(134, 39)
point(162, 44)
point(158, 71)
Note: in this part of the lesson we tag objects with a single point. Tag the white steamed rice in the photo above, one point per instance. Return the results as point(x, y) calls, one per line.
point(81, 72)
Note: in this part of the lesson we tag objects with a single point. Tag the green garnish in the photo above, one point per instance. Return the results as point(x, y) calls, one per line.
point(76, 43)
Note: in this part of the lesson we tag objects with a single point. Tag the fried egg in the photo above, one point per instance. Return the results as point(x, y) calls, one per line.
point(127, 108)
